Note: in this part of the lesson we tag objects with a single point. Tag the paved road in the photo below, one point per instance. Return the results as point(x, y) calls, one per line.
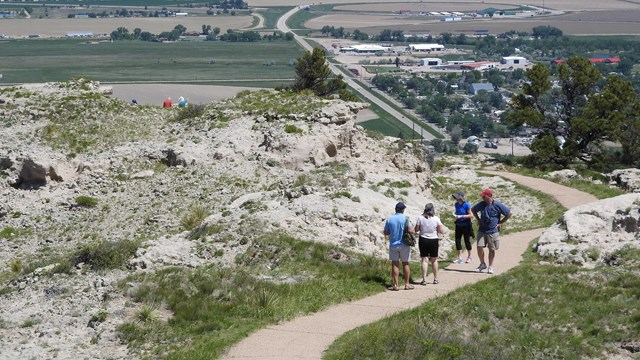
point(307, 337)
point(282, 26)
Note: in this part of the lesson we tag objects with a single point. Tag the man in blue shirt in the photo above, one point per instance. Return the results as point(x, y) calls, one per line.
point(491, 214)
point(394, 228)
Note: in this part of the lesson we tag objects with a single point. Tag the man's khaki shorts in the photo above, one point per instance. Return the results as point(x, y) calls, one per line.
point(401, 253)
point(488, 240)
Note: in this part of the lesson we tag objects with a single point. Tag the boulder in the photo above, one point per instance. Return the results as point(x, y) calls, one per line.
point(593, 230)
point(627, 179)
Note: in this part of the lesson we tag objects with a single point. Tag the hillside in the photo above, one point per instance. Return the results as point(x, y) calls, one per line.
point(95, 189)
point(104, 200)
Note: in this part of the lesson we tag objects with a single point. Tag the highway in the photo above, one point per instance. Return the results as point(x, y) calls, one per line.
point(282, 26)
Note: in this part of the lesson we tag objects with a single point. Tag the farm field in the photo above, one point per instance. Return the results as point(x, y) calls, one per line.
point(373, 24)
point(573, 17)
point(137, 61)
point(464, 5)
point(556, 4)
point(60, 27)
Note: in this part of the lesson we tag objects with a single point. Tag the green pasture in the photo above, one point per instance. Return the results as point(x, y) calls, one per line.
point(297, 20)
point(28, 61)
point(125, 3)
point(272, 14)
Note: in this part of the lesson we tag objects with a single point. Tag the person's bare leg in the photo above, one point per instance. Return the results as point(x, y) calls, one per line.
point(425, 268)
point(492, 255)
point(395, 273)
point(407, 274)
point(481, 254)
point(434, 267)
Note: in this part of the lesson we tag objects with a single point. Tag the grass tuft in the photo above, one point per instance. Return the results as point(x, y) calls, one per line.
point(86, 201)
point(194, 217)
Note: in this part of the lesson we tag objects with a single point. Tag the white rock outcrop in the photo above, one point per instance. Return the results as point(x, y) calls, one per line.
point(586, 234)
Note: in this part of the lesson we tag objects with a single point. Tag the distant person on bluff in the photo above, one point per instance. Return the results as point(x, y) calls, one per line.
point(167, 103)
point(491, 215)
point(182, 102)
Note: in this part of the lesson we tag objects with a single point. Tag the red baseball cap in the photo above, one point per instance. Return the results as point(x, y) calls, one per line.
point(486, 192)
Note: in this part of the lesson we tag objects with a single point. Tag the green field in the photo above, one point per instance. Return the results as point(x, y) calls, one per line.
point(28, 61)
point(125, 3)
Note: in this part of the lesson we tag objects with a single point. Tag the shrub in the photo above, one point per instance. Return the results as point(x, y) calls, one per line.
point(191, 111)
point(97, 318)
point(105, 254)
point(86, 201)
point(200, 232)
point(194, 217)
point(16, 266)
point(147, 314)
point(8, 233)
point(253, 206)
point(292, 129)
point(470, 149)
point(508, 160)
point(341, 194)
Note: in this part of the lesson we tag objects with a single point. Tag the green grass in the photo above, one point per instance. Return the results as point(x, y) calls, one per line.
point(125, 3)
point(385, 123)
point(130, 61)
point(86, 201)
point(214, 307)
point(297, 20)
point(194, 217)
point(272, 14)
point(531, 312)
point(10, 233)
point(418, 122)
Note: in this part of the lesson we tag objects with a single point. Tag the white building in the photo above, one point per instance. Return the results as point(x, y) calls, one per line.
point(363, 49)
point(430, 62)
point(513, 61)
point(425, 47)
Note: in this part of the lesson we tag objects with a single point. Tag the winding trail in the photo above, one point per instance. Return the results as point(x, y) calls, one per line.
point(307, 337)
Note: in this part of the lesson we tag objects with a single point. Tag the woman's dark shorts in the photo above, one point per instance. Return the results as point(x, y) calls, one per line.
point(428, 247)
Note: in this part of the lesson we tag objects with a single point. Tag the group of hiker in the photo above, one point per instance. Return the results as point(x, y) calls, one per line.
point(182, 102)
point(490, 215)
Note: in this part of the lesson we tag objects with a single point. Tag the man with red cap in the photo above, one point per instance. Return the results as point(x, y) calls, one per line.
point(491, 214)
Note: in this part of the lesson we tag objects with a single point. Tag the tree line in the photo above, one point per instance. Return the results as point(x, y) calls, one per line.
point(211, 34)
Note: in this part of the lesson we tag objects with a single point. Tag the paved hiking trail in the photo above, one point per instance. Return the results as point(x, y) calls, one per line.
point(307, 337)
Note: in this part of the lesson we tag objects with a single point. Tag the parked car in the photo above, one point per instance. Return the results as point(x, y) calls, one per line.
point(490, 145)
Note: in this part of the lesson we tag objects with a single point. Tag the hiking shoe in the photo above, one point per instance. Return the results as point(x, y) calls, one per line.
point(481, 267)
point(490, 270)
point(469, 259)
point(458, 261)
point(436, 282)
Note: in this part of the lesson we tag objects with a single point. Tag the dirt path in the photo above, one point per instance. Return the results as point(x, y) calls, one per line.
point(307, 337)
point(566, 196)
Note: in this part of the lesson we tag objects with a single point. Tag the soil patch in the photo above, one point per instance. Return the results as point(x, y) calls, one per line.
point(155, 94)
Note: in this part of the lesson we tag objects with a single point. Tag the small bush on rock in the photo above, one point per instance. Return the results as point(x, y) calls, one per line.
point(86, 201)
point(194, 217)
point(191, 111)
point(105, 254)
